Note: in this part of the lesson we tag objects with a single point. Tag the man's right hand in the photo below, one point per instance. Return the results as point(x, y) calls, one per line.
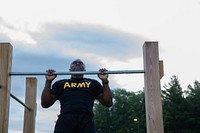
point(50, 76)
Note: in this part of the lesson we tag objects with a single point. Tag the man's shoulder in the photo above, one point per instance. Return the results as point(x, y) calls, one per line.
point(61, 80)
point(91, 80)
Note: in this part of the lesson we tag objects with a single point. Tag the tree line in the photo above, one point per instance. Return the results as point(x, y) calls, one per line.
point(181, 110)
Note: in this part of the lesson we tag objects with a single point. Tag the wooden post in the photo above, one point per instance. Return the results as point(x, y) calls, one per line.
point(30, 100)
point(152, 89)
point(5, 83)
point(161, 68)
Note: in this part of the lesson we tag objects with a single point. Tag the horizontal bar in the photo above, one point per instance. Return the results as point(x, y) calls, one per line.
point(14, 97)
point(77, 72)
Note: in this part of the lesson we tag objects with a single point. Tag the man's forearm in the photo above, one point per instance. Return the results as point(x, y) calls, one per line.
point(46, 96)
point(107, 95)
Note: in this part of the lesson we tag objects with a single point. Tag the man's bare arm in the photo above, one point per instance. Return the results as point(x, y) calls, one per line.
point(105, 98)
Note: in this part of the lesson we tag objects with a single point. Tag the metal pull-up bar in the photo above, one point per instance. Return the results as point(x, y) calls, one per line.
point(78, 72)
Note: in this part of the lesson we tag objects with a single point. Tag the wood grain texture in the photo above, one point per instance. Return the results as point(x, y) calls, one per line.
point(5, 82)
point(152, 89)
point(30, 100)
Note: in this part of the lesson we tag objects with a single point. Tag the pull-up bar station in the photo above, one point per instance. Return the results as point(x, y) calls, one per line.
point(153, 71)
point(76, 72)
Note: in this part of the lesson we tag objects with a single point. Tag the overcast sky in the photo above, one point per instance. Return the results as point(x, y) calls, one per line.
point(108, 33)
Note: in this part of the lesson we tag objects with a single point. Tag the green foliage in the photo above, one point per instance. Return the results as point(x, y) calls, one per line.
point(174, 107)
point(119, 117)
point(193, 99)
point(181, 110)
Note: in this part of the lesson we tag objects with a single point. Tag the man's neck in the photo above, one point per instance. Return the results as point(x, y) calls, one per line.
point(77, 76)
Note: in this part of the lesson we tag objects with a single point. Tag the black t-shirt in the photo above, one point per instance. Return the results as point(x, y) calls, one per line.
point(77, 95)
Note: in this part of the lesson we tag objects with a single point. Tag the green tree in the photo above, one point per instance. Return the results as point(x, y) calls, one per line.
point(119, 117)
point(137, 106)
point(181, 110)
point(174, 107)
point(193, 115)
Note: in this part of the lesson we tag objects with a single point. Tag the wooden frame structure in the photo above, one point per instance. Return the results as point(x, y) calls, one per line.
point(153, 71)
point(5, 84)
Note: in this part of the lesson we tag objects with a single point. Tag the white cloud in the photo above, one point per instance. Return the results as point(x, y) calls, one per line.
point(16, 34)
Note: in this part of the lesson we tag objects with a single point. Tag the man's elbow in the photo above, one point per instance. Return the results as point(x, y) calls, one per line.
point(45, 104)
point(109, 104)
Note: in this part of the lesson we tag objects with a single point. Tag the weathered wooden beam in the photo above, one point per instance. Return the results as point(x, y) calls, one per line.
point(152, 88)
point(5, 83)
point(30, 100)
